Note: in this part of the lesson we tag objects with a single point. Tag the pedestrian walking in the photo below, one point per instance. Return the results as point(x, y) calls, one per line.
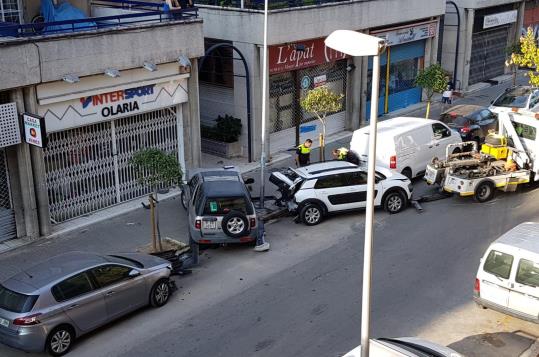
point(303, 153)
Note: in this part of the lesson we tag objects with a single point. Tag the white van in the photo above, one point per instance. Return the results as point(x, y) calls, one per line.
point(406, 144)
point(508, 275)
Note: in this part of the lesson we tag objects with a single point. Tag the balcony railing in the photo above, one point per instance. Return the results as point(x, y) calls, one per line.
point(272, 4)
point(130, 13)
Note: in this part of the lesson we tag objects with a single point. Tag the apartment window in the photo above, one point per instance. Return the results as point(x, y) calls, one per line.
point(218, 68)
point(10, 11)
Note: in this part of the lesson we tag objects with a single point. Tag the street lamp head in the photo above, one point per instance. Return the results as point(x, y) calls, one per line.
point(354, 43)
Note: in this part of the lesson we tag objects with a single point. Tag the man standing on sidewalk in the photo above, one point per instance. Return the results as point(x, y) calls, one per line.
point(303, 153)
point(261, 244)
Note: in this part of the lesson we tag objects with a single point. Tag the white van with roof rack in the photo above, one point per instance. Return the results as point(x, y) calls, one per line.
point(405, 144)
point(508, 276)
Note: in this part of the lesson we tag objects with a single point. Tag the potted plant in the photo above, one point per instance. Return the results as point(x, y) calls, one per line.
point(223, 138)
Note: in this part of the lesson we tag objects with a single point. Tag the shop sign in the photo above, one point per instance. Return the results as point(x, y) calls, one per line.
point(113, 104)
point(305, 82)
point(501, 18)
point(407, 34)
point(34, 130)
point(308, 53)
point(319, 81)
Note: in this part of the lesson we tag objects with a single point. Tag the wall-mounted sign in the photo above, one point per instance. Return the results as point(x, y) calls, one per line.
point(319, 80)
point(34, 130)
point(308, 53)
point(407, 34)
point(113, 104)
point(305, 82)
point(501, 18)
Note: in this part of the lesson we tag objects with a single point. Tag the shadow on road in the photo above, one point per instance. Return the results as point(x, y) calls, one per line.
point(500, 344)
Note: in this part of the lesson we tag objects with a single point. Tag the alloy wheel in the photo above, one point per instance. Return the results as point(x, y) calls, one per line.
point(60, 341)
point(235, 225)
point(394, 203)
point(162, 293)
point(312, 215)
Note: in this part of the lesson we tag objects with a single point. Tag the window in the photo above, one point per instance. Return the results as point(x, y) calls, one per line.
point(198, 198)
point(221, 206)
point(528, 273)
point(10, 11)
point(72, 287)
point(358, 178)
point(525, 131)
point(331, 181)
point(110, 274)
point(15, 302)
point(486, 114)
point(218, 67)
point(534, 99)
point(516, 97)
point(439, 129)
point(498, 264)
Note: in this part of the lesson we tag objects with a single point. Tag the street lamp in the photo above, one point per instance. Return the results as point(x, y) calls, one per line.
point(358, 44)
point(264, 99)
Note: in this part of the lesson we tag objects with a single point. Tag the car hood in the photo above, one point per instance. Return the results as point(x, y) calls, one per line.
point(147, 260)
point(390, 174)
point(446, 351)
point(399, 352)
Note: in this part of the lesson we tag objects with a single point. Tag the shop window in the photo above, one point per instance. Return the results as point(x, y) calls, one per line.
point(402, 75)
point(10, 11)
point(283, 101)
point(218, 68)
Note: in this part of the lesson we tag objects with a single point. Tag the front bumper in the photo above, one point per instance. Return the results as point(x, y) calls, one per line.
point(29, 339)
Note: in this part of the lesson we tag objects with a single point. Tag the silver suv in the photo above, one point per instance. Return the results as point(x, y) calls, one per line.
point(220, 208)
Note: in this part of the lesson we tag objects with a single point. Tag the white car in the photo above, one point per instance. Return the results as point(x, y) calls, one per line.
point(317, 190)
point(519, 98)
point(404, 347)
point(406, 144)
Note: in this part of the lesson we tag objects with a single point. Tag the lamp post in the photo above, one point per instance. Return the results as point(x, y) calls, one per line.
point(264, 99)
point(358, 44)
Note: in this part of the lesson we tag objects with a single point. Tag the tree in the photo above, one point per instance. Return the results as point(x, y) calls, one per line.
point(321, 101)
point(528, 56)
point(515, 48)
point(432, 79)
point(156, 168)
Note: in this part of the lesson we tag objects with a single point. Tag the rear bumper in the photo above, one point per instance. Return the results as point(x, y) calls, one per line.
point(222, 238)
point(29, 339)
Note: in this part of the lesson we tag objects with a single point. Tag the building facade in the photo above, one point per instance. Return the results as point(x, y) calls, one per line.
point(487, 29)
point(299, 61)
point(104, 92)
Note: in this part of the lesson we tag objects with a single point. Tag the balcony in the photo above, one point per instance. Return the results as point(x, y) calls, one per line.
point(272, 4)
point(118, 34)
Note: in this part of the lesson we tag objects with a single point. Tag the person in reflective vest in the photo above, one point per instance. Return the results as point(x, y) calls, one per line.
point(303, 153)
point(344, 154)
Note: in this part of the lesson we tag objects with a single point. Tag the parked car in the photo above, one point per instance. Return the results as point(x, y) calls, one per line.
point(220, 208)
point(317, 190)
point(405, 347)
point(472, 122)
point(519, 97)
point(508, 276)
point(51, 304)
point(405, 144)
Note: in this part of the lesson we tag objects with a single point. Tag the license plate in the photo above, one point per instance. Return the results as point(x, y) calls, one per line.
point(4, 322)
point(209, 224)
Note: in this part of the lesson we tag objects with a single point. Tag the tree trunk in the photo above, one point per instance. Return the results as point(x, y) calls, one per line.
point(152, 221)
point(159, 242)
point(428, 109)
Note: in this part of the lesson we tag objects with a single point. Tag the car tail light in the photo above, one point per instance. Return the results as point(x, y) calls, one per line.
point(252, 223)
point(198, 224)
point(393, 162)
point(465, 130)
point(27, 320)
point(476, 286)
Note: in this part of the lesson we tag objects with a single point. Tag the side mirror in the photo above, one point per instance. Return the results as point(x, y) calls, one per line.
point(249, 181)
point(133, 273)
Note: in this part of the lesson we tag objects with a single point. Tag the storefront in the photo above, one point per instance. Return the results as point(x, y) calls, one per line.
point(490, 40)
point(399, 65)
point(531, 17)
point(294, 70)
point(96, 126)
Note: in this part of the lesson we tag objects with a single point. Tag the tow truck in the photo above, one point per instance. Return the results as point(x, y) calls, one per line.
point(505, 160)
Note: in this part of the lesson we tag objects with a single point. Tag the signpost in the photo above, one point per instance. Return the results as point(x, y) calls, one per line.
point(34, 130)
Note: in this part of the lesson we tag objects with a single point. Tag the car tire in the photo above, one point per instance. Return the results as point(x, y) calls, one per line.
point(311, 214)
point(484, 191)
point(160, 293)
point(235, 224)
point(182, 199)
point(408, 173)
point(60, 340)
point(394, 202)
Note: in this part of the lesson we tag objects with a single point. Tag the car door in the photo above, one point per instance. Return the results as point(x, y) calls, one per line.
point(356, 196)
point(494, 280)
point(524, 293)
point(122, 292)
point(441, 137)
point(81, 301)
point(333, 190)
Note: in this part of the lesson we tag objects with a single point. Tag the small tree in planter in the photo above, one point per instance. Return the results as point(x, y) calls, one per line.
point(527, 56)
point(227, 130)
point(432, 79)
point(156, 168)
point(321, 101)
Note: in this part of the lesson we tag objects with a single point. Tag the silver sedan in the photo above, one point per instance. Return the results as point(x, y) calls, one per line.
point(49, 305)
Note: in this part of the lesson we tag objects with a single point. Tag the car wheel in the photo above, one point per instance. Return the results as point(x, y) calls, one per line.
point(183, 200)
point(160, 293)
point(235, 224)
point(484, 191)
point(394, 202)
point(60, 340)
point(311, 214)
point(407, 172)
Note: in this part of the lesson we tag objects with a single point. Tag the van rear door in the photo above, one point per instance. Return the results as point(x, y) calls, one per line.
point(524, 295)
point(494, 277)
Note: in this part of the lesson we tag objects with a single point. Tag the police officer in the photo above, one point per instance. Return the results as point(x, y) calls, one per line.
point(303, 153)
point(344, 154)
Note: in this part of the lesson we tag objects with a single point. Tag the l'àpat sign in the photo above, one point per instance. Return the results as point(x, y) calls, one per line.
point(34, 130)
